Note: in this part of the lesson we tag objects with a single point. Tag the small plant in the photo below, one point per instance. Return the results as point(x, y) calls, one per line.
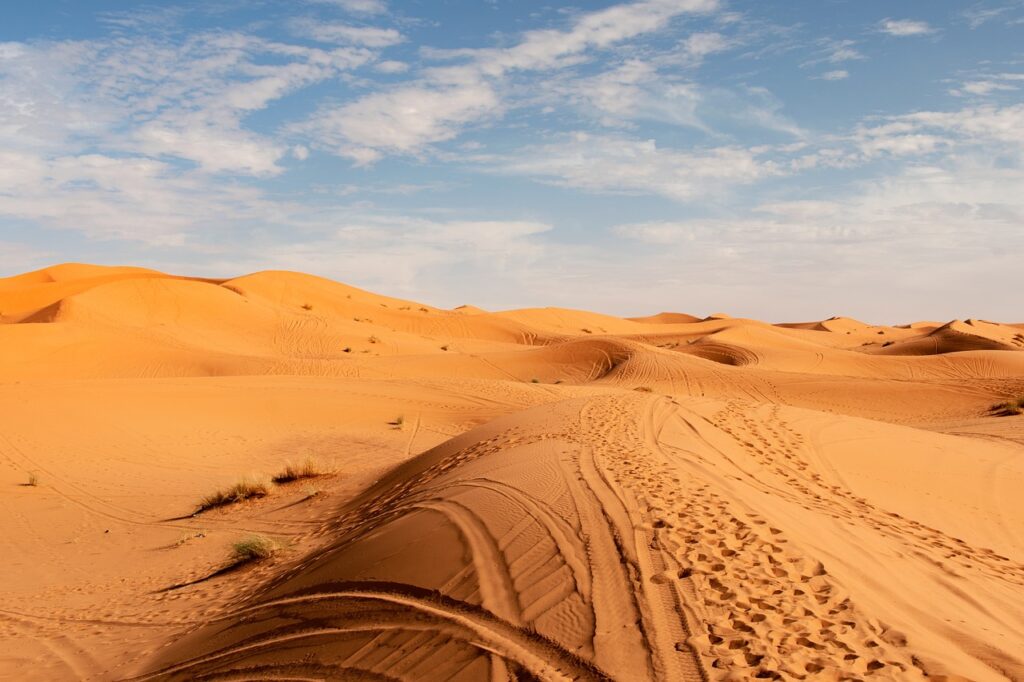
point(644, 389)
point(245, 489)
point(33, 479)
point(307, 468)
point(586, 331)
point(424, 310)
point(307, 306)
point(374, 339)
point(254, 548)
point(398, 422)
point(346, 349)
point(535, 380)
point(1010, 408)
point(444, 347)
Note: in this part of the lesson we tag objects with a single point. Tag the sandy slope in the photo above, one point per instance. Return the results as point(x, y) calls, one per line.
point(542, 493)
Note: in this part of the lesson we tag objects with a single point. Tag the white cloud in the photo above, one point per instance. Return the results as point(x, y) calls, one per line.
point(836, 51)
point(837, 75)
point(130, 198)
point(960, 220)
point(977, 16)
point(904, 27)
point(699, 45)
point(402, 120)
point(993, 83)
point(172, 100)
point(391, 66)
point(409, 118)
point(357, 6)
point(617, 165)
point(344, 34)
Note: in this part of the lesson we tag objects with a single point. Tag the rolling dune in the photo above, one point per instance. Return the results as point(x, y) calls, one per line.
point(533, 494)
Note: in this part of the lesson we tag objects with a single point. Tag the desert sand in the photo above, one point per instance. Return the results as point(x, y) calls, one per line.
point(531, 494)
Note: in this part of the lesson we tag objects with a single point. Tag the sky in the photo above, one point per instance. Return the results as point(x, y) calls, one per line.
point(784, 160)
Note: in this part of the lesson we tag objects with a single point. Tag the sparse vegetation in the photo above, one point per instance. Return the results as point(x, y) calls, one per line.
point(307, 306)
point(307, 468)
point(254, 548)
point(535, 380)
point(374, 339)
point(444, 347)
point(346, 349)
point(1010, 408)
point(586, 331)
point(398, 422)
point(245, 489)
point(644, 389)
point(33, 479)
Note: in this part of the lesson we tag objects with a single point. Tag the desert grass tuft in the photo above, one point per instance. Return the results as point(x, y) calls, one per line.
point(33, 479)
point(307, 468)
point(644, 389)
point(1009, 408)
point(245, 489)
point(254, 548)
point(399, 421)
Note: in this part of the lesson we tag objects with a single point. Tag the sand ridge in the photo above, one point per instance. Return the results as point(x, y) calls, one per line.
point(532, 494)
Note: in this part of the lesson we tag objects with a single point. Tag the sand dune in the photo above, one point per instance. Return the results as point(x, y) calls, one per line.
point(531, 494)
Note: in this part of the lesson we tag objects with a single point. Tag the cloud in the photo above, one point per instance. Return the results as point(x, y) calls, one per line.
point(832, 51)
point(961, 220)
point(344, 34)
point(978, 15)
point(357, 6)
point(904, 27)
point(188, 101)
point(837, 75)
point(391, 66)
point(992, 83)
point(127, 198)
point(400, 121)
point(409, 118)
point(699, 45)
point(618, 165)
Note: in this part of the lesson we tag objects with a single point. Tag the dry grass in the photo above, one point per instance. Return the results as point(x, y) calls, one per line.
point(307, 306)
point(33, 479)
point(374, 339)
point(398, 422)
point(245, 489)
point(254, 548)
point(307, 468)
point(644, 389)
point(1009, 408)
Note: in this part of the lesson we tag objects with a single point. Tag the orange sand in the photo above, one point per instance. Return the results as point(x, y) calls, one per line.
point(543, 493)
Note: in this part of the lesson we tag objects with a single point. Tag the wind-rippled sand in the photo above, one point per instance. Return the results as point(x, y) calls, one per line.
point(533, 494)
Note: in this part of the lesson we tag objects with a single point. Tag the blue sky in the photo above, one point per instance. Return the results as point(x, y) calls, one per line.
point(782, 160)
